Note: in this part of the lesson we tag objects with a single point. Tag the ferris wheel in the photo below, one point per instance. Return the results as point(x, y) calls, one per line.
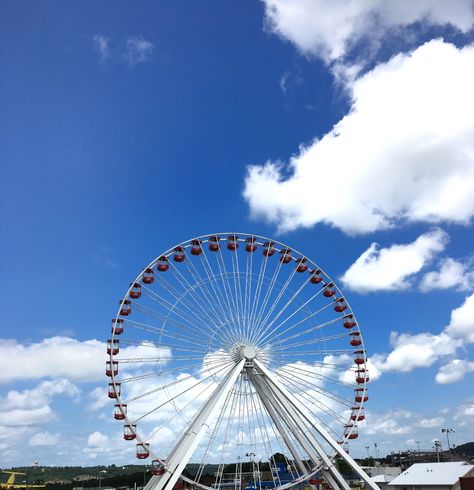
point(236, 362)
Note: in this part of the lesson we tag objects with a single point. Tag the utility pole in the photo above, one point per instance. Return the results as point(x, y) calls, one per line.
point(367, 449)
point(418, 444)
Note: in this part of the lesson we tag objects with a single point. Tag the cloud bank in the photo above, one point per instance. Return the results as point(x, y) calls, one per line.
point(330, 29)
point(404, 153)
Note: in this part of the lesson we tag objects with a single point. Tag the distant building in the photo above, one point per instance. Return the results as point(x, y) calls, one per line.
point(432, 476)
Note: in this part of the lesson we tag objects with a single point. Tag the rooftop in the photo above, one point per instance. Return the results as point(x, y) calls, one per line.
point(434, 473)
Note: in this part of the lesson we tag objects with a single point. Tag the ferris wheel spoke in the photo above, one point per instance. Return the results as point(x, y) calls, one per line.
point(314, 328)
point(188, 316)
point(195, 307)
point(170, 400)
point(232, 297)
point(221, 299)
point(265, 334)
point(227, 291)
point(299, 368)
point(258, 290)
point(155, 314)
point(317, 401)
point(283, 347)
point(265, 316)
point(265, 325)
point(266, 298)
point(160, 330)
point(201, 283)
point(197, 299)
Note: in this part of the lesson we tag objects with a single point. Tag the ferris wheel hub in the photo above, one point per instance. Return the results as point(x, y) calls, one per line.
point(249, 352)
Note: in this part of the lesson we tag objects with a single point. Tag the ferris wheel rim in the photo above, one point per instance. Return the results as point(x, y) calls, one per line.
point(241, 237)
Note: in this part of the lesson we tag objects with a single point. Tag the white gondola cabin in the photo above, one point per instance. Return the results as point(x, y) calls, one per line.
point(114, 390)
point(163, 264)
point(179, 254)
point(125, 307)
point(117, 326)
point(250, 244)
point(120, 411)
point(113, 347)
point(135, 291)
point(111, 368)
point(129, 432)
point(148, 276)
point(143, 450)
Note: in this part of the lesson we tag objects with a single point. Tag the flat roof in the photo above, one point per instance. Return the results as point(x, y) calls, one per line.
point(432, 473)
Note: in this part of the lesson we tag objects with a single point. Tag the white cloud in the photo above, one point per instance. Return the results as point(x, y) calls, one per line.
point(138, 50)
point(52, 357)
point(98, 398)
point(420, 350)
point(44, 439)
point(428, 423)
point(31, 407)
point(101, 43)
point(60, 356)
point(404, 153)
point(461, 324)
point(454, 371)
point(390, 268)
point(97, 440)
point(330, 28)
point(451, 274)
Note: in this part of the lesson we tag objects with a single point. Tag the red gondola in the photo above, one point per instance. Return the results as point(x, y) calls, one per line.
point(196, 247)
point(111, 368)
point(157, 467)
point(114, 391)
point(136, 291)
point(163, 264)
point(148, 276)
point(301, 265)
point(125, 307)
point(340, 305)
point(360, 357)
point(344, 445)
point(113, 346)
point(179, 254)
point(285, 256)
point(250, 244)
point(329, 290)
point(143, 450)
point(361, 395)
point(120, 411)
point(214, 244)
point(351, 431)
point(355, 339)
point(117, 326)
point(349, 321)
point(232, 242)
point(315, 277)
point(129, 432)
point(268, 249)
point(362, 376)
point(358, 414)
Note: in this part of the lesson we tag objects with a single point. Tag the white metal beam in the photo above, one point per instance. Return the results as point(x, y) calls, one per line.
point(184, 449)
point(289, 402)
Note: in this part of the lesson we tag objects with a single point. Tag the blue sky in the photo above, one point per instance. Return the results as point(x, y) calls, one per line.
point(127, 129)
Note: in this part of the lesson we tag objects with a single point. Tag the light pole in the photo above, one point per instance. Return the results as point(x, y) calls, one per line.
point(376, 452)
point(437, 448)
point(251, 456)
point(447, 431)
point(367, 449)
point(100, 478)
point(418, 445)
